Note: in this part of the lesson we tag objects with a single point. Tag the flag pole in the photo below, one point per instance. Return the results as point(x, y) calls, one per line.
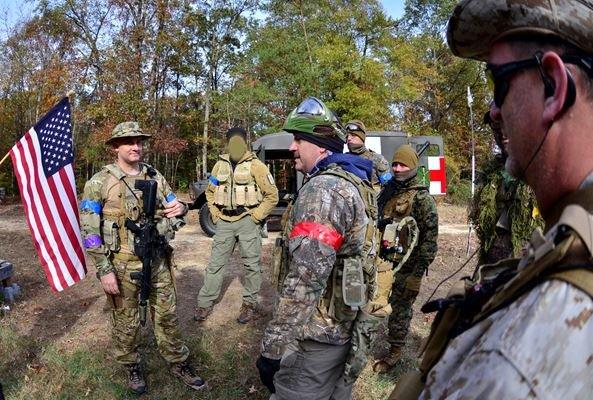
point(470, 101)
point(4, 158)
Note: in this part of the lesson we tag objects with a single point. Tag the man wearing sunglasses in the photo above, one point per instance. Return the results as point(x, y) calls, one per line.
point(356, 136)
point(523, 329)
point(329, 239)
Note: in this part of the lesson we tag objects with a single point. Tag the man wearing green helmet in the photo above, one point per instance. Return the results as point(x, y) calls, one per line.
point(356, 137)
point(109, 200)
point(329, 238)
point(522, 328)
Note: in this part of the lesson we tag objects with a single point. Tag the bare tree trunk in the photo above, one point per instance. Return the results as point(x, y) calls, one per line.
point(205, 134)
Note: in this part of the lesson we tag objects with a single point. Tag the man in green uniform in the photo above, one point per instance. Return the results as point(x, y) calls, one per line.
point(403, 197)
point(109, 199)
point(504, 209)
point(240, 194)
point(355, 140)
point(328, 277)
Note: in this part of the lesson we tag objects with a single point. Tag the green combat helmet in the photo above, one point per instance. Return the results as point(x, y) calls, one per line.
point(126, 129)
point(315, 122)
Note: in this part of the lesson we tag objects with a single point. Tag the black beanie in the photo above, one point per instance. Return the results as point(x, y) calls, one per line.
point(333, 143)
point(236, 131)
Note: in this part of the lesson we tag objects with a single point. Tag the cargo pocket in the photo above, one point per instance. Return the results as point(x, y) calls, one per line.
point(111, 238)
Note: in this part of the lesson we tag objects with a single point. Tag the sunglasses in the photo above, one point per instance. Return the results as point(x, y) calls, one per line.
point(499, 76)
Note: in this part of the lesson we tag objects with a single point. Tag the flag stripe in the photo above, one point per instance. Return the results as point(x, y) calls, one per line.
point(23, 168)
point(53, 231)
point(68, 214)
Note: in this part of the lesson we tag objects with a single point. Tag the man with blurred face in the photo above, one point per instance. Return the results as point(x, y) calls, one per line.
point(523, 329)
point(241, 193)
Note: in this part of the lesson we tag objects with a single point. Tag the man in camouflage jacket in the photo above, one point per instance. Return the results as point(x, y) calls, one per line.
point(109, 199)
point(355, 140)
point(403, 197)
point(305, 346)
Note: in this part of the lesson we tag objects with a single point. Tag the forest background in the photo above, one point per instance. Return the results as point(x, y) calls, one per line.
point(187, 70)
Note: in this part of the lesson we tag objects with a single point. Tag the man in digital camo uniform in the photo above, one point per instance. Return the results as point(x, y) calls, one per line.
point(240, 194)
point(356, 137)
point(306, 345)
point(531, 338)
point(109, 199)
point(404, 197)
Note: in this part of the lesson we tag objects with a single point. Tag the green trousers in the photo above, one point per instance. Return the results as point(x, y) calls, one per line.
point(248, 234)
point(162, 312)
point(312, 370)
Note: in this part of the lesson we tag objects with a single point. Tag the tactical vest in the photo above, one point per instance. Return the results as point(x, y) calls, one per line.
point(236, 188)
point(123, 202)
point(564, 253)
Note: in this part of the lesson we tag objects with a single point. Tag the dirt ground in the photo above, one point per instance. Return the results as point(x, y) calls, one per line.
point(75, 317)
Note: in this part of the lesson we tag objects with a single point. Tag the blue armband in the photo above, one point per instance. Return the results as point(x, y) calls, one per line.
point(170, 197)
point(386, 177)
point(213, 180)
point(92, 206)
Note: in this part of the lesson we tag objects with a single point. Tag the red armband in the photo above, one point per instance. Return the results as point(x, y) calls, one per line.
point(317, 231)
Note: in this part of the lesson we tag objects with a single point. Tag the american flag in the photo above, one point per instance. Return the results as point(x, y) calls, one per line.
point(42, 160)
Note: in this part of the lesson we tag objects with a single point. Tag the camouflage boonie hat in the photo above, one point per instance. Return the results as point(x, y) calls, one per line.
point(476, 24)
point(126, 129)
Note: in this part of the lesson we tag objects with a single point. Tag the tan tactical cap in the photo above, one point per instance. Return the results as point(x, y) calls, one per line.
point(476, 24)
point(356, 127)
point(126, 129)
point(405, 155)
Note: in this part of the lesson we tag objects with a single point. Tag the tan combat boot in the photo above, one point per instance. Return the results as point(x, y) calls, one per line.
point(247, 313)
point(135, 379)
point(387, 363)
point(202, 313)
point(186, 374)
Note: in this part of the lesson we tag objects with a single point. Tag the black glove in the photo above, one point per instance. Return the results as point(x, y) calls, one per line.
point(383, 222)
point(267, 369)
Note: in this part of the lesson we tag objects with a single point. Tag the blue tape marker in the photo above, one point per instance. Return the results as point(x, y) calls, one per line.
point(213, 180)
point(170, 197)
point(386, 177)
point(87, 205)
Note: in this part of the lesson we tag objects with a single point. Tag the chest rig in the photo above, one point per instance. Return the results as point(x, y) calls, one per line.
point(122, 201)
point(236, 188)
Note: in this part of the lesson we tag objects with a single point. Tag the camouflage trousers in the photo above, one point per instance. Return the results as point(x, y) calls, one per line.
point(405, 289)
point(162, 306)
point(312, 370)
point(248, 234)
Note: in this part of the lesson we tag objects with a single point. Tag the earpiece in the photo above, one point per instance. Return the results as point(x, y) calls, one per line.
point(571, 91)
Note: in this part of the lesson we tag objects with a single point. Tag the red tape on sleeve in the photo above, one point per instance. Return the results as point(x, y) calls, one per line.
point(315, 230)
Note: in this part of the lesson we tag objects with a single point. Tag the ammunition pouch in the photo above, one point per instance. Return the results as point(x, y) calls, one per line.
point(354, 290)
point(111, 239)
point(279, 263)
